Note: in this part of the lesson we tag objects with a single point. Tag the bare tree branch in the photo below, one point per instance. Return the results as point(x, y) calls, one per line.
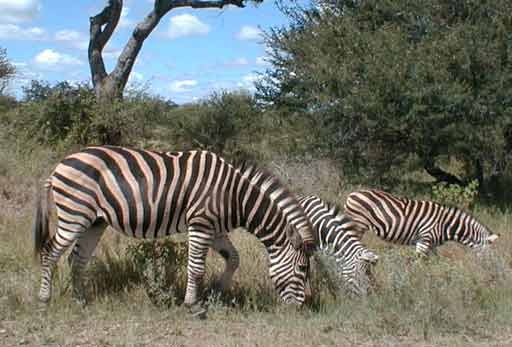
point(102, 27)
point(127, 58)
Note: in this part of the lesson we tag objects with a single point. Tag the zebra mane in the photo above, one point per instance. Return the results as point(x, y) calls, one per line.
point(263, 177)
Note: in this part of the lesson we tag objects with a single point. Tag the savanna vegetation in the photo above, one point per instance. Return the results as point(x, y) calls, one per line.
point(410, 96)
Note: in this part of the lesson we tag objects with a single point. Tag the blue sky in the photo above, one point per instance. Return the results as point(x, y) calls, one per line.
point(189, 54)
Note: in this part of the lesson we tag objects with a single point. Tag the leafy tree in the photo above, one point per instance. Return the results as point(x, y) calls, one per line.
point(7, 70)
point(381, 82)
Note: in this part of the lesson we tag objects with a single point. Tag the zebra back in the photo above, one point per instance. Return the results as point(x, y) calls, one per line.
point(152, 194)
point(423, 223)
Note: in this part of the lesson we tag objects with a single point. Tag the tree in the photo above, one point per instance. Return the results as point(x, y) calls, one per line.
point(109, 86)
point(7, 70)
point(382, 82)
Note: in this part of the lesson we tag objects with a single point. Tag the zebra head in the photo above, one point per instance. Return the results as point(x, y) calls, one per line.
point(289, 269)
point(477, 236)
point(356, 271)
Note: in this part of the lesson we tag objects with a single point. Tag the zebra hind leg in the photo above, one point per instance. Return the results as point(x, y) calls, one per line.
point(50, 255)
point(80, 255)
point(228, 252)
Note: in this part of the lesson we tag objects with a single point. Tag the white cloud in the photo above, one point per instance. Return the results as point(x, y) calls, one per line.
point(249, 33)
point(15, 11)
point(52, 59)
point(15, 32)
point(111, 52)
point(135, 77)
point(124, 21)
point(182, 86)
point(262, 61)
point(248, 81)
point(186, 25)
point(238, 62)
point(72, 38)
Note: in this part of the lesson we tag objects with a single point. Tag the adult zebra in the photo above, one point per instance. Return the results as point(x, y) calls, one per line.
point(151, 194)
point(336, 235)
point(425, 224)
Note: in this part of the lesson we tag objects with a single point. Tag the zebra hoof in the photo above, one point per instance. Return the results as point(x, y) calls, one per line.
point(197, 311)
point(43, 299)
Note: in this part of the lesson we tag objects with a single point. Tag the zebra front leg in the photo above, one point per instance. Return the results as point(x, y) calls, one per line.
point(199, 241)
point(423, 247)
point(80, 255)
point(225, 248)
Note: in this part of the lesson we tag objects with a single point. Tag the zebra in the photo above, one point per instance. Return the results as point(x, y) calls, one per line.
point(339, 237)
point(425, 224)
point(149, 194)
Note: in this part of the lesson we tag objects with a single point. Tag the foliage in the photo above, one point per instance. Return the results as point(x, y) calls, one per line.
point(222, 123)
point(69, 114)
point(456, 195)
point(7, 70)
point(163, 268)
point(381, 81)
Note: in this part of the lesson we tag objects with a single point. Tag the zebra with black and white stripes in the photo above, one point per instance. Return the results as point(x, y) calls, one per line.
point(425, 224)
point(338, 237)
point(147, 194)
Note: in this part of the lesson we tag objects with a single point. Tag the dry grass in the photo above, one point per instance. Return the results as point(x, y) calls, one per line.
point(452, 300)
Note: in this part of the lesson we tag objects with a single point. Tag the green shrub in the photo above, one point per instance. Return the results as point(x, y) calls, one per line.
point(456, 195)
point(223, 123)
point(163, 267)
point(69, 114)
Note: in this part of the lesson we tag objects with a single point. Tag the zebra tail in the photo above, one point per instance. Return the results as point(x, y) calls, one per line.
point(40, 226)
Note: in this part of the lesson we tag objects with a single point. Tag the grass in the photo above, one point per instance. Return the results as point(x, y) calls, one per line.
point(455, 299)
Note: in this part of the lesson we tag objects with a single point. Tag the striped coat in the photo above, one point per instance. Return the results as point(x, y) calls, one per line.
point(424, 224)
point(338, 237)
point(147, 194)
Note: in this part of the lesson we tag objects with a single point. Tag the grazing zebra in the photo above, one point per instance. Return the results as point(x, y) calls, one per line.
point(338, 237)
point(425, 224)
point(146, 194)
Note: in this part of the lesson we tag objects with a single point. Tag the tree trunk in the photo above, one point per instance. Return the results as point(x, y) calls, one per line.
point(110, 86)
point(439, 174)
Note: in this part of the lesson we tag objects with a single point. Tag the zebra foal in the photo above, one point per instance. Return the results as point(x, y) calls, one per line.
point(425, 224)
point(147, 194)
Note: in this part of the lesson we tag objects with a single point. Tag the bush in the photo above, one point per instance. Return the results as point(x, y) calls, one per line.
point(456, 195)
point(69, 114)
point(222, 124)
point(163, 268)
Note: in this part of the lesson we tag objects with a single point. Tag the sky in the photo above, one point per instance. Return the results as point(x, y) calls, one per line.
point(190, 54)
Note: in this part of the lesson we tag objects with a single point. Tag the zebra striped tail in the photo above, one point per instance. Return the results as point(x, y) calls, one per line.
point(40, 226)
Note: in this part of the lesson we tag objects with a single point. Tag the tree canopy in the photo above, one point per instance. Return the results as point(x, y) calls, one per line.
point(386, 82)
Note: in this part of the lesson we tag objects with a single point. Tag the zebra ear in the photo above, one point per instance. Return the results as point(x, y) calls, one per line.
point(294, 237)
point(492, 238)
point(370, 257)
